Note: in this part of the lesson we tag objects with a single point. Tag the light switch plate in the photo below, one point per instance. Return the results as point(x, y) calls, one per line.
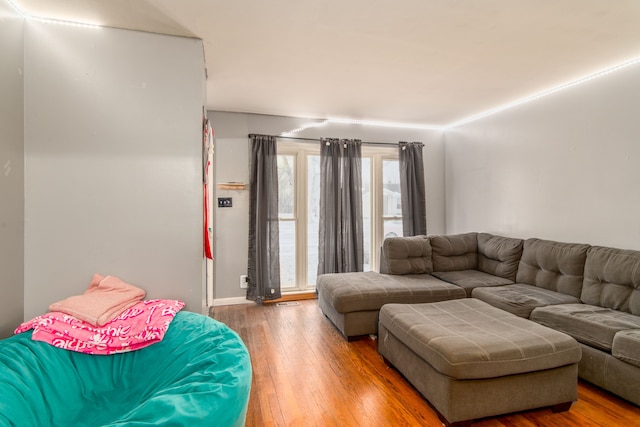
point(225, 202)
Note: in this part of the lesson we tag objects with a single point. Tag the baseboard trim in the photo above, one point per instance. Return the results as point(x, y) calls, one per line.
point(293, 296)
point(231, 301)
point(285, 297)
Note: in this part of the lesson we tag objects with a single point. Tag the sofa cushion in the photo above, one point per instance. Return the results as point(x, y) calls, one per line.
point(406, 255)
point(455, 252)
point(553, 265)
point(499, 256)
point(468, 339)
point(349, 292)
point(520, 299)
point(471, 279)
point(612, 279)
point(626, 346)
point(589, 324)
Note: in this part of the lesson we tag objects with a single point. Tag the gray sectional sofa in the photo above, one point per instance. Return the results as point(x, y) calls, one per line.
point(590, 293)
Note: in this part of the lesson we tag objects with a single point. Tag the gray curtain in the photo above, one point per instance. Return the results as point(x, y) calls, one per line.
point(341, 241)
point(412, 192)
point(264, 245)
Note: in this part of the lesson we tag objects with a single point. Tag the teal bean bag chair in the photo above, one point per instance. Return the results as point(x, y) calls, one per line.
point(198, 375)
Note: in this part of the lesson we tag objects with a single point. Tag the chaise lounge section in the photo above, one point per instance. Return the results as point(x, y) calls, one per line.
point(352, 301)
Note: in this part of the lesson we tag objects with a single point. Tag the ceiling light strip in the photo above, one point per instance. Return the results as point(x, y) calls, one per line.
point(20, 11)
point(386, 124)
point(52, 21)
point(303, 127)
point(480, 115)
point(542, 94)
point(380, 123)
point(64, 22)
point(363, 123)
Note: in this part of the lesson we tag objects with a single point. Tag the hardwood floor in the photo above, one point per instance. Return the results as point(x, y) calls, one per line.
point(306, 374)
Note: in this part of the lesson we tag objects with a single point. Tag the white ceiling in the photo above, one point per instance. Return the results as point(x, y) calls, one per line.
point(410, 61)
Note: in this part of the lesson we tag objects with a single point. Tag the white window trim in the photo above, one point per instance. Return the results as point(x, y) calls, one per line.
point(301, 151)
point(378, 155)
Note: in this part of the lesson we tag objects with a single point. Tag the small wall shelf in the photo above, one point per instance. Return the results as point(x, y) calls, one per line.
point(232, 186)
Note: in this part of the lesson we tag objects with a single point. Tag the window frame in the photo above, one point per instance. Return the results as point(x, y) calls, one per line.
point(294, 216)
point(378, 154)
point(301, 152)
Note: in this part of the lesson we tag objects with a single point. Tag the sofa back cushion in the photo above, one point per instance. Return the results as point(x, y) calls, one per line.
point(498, 255)
point(612, 279)
point(406, 255)
point(455, 252)
point(553, 265)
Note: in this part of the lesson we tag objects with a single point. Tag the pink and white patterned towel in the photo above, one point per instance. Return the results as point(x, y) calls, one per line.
point(137, 327)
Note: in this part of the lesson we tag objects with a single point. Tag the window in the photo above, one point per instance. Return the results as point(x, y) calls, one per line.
point(299, 201)
point(286, 217)
point(391, 204)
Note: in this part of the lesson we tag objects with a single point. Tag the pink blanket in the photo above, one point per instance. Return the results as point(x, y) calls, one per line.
point(105, 299)
point(137, 327)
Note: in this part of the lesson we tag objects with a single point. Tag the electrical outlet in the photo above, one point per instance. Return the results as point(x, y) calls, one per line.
point(244, 281)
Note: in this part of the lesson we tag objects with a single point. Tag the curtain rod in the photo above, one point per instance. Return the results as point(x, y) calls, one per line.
point(388, 144)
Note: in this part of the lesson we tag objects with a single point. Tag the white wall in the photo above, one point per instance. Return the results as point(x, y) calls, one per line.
point(563, 167)
point(11, 170)
point(113, 145)
point(231, 163)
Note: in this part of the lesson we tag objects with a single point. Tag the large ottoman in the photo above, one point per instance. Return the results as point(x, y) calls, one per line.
point(471, 360)
point(352, 300)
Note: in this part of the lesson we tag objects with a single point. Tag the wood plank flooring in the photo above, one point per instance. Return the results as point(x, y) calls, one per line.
point(306, 374)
